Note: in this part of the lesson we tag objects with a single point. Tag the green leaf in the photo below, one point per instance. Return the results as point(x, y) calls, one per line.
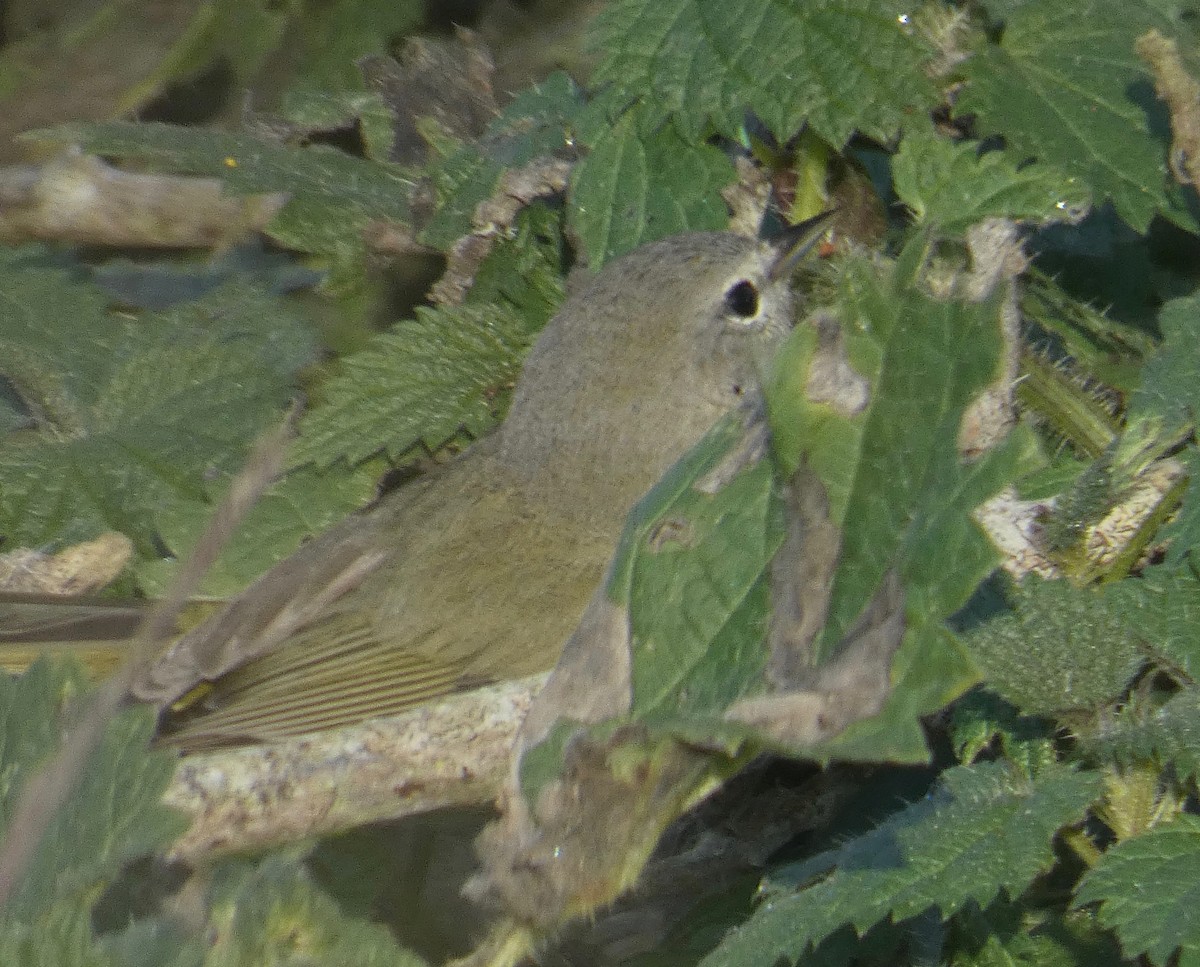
point(113, 815)
point(660, 54)
point(1169, 736)
point(691, 569)
point(640, 183)
point(895, 481)
point(275, 914)
point(1170, 385)
point(841, 65)
point(1013, 934)
point(317, 110)
point(954, 185)
point(1062, 647)
point(981, 718)
point(329, 38)
point(1147, 890)
point(57, 370)
point(1171, 377)
point(525, 271)
point(154, 942)
point(422, 382)
point(238, 34)
point(348, 190)
point(986, 829)
point(61, 937)
point(136, 413)
point(1184, 531)
point(1163, 608)
point(1063, 85)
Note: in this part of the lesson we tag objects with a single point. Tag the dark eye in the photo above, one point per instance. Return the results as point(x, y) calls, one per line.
point(742, 299)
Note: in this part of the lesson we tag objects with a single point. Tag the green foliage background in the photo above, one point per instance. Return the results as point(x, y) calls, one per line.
point(1064, 771)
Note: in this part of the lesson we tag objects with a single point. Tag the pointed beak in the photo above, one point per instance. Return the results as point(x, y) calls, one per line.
point(792, 244)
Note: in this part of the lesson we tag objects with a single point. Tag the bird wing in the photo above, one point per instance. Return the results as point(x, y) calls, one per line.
point(481, 583)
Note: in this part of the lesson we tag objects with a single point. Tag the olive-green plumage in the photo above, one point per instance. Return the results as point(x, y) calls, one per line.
point(480, 569)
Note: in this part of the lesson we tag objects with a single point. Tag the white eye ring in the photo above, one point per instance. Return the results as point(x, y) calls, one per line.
point(742, 300)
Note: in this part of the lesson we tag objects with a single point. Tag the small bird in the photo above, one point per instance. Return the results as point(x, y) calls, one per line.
point(479, 570)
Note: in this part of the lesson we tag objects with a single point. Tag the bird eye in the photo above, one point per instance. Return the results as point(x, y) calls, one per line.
point(741, 299)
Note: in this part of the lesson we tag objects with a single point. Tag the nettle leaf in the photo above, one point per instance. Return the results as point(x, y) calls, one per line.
point(1147, 890)
point(1062, 648)
point(160, 941)
point(987, 828)
point(525, 271)
point(273, 913)
point(1170, 379)
point(1009, 934)
point(1184, 530)
point(1063, 85)
point(1168, 400)
point(1163, 610)
point(538, 122)
point(166, 400)
point(1168, 735)
point(841, 65)
point(661, 56)
point(422, 382)
point(1168, 396)
point(330, 38)
point(113, 815)
point(639, 183)
point(954, 186)
point(60, 937)
point(57, 370)
point(981, 718)
point(893, 474)
point(312, 109)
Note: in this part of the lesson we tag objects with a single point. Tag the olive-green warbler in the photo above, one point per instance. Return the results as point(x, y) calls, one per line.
point(480, 569)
